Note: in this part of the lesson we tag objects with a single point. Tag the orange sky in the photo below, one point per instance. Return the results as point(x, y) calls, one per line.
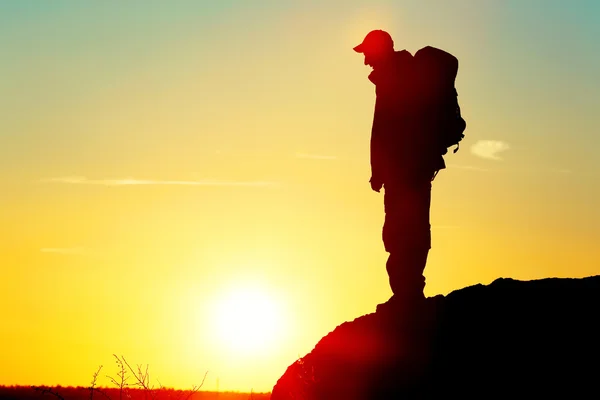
point(157, 157)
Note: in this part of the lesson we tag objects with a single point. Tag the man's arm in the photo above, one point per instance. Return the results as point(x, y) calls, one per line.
point(377, 148)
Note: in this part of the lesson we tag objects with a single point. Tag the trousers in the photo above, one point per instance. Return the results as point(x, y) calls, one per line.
point(407, 235)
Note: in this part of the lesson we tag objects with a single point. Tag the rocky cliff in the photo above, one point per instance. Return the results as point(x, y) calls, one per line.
point(517, 338)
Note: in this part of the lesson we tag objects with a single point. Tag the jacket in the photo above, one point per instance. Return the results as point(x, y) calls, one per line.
point(401, 143)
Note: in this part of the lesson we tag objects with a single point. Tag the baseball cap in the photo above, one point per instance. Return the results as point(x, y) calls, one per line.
point(375, 40)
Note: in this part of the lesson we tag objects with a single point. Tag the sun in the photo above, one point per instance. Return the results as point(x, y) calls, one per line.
point(248, 321)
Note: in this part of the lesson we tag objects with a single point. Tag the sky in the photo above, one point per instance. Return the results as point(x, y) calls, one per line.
point(178, 173)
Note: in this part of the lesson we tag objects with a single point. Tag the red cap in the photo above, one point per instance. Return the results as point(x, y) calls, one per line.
point(376, 40)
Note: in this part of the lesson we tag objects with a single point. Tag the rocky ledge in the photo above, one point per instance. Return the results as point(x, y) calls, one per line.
point(518, 338)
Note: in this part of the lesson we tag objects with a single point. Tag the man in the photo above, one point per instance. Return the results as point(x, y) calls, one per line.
point(404, 162)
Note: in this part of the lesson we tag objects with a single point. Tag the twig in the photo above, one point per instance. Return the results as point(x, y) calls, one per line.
point(143, 378)
point(47, 390)
point(93, 384)
point(122, 375)
point(195, 389)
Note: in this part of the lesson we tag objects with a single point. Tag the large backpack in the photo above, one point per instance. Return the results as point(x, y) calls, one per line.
point(434, 73)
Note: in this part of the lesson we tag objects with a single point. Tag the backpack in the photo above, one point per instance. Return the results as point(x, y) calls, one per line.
point(434, 73)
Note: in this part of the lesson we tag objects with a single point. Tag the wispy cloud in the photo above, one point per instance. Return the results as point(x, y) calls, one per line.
point(64, 250)
point(315, 156)
point(81, 180)
point(489, 149)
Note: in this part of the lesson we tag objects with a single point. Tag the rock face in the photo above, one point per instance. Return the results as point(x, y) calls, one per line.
point(517, 338)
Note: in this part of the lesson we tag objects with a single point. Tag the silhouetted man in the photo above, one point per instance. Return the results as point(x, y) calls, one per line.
point(403, 162)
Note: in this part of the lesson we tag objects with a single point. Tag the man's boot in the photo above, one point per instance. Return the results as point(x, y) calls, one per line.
point(405, 270)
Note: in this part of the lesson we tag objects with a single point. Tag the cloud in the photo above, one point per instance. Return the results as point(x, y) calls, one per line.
point(63, 250)
point(315, 156)
point(489, 149)
point(80, 180)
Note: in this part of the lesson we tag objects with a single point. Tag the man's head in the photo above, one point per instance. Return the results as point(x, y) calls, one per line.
point(376, 46)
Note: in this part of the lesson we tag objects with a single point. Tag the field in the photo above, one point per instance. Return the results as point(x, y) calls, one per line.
point(83, 393)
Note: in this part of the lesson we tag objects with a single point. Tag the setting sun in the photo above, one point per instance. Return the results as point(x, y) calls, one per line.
point(247, 321)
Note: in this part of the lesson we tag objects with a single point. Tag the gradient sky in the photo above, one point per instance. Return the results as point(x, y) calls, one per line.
point(156, 155)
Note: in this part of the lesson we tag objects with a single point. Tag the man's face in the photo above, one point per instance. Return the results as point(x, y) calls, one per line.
point(374, 58)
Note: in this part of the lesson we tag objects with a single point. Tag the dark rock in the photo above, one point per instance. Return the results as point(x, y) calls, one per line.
point(517, 338)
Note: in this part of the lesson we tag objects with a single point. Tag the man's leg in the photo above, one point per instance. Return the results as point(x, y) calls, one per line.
point(405, 271)
point(407, 237)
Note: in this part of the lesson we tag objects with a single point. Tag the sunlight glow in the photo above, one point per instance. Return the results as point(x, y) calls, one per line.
point(248, 321)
